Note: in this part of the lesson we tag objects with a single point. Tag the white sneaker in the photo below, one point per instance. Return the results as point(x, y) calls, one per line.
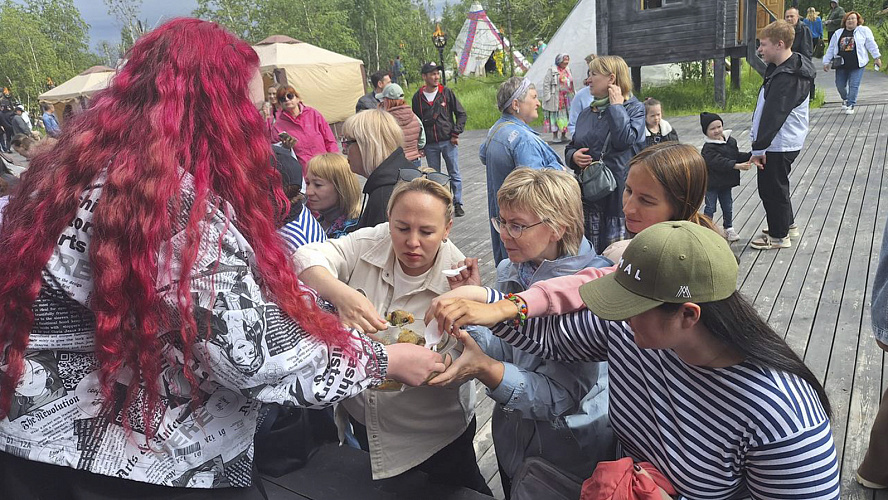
point(768, 243)
point(849, 110)
point(731, 234)
point(844, 105)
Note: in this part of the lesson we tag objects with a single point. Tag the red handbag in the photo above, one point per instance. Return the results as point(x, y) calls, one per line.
point(623, 480)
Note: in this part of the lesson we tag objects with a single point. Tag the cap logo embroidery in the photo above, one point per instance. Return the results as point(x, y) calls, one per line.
point(683, 292)
point(628, 270)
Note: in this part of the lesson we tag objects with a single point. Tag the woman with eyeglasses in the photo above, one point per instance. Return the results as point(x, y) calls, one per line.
point(374, 146)
point(398, 266)
point(547, 409)
point(512, 143)
point(300, 127)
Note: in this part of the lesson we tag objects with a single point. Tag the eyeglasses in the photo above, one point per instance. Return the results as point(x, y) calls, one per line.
point(345, 145)
point(408, 174)
point(514, 230)
point(287, 97)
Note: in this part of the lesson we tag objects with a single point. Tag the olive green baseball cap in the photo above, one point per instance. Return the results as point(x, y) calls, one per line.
point(675, 261)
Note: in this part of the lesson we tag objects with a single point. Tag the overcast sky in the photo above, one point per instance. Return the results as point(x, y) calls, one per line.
point(102, 26)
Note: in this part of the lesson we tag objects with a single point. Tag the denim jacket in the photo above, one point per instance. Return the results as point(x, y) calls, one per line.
point(548, 409)
point(880, 294)
point(510, 144)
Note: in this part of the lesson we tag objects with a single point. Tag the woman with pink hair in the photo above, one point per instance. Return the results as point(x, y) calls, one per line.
point(142, 249)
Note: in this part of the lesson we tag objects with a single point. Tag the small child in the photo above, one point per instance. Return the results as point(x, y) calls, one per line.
point(724, 161)
point(656, 129)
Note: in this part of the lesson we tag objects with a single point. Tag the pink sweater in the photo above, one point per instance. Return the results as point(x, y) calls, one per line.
point(560, 295)
point(312, 133)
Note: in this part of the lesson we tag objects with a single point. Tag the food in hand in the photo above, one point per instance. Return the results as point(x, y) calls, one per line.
point(399, 318)
point(407, 336)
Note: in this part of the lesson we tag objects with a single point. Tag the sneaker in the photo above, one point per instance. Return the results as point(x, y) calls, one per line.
point(792, 234)
point(458, 210)
point(869, 484)
point(849, 110)
point(768, 243)
point(844, 105)
point(731, 234)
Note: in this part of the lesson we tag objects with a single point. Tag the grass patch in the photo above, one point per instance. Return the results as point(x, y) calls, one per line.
point(681, 98)
point(478, 97)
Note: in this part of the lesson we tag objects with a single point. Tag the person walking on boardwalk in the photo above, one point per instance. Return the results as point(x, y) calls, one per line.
point(872, 472)
point(443, 119)
point(850, 46)
point(779, 128)
point(803, 42)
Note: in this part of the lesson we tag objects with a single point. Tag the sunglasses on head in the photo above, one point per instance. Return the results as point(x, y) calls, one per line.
point(287, 97)
point(408, 174)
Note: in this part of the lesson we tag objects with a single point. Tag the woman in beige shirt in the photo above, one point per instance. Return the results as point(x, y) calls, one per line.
point(398, 265)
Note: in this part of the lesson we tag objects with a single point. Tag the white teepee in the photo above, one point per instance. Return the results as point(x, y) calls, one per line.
point(478, 39)
point(577, 37)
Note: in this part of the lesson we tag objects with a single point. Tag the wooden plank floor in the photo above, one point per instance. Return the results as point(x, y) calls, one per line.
point(816, 294)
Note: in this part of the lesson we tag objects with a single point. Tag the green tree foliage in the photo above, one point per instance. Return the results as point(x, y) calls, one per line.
point(378, 31)
point(41, 39)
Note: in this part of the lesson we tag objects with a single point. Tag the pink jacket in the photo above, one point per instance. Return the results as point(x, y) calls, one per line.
point(560, 295)
point(312, 133)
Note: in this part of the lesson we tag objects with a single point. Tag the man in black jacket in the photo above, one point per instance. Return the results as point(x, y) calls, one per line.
point(803, 43)
point(443, 119)
point(779, 129)
point(369, 101)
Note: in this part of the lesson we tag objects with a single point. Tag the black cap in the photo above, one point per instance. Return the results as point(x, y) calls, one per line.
point(429, 67)
point(707, 118)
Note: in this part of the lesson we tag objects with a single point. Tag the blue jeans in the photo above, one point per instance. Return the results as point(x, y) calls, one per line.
point(433, 152)
point(848, 84)
point(723, 196)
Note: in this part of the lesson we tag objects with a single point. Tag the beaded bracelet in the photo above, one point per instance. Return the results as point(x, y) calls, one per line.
point(522, 308)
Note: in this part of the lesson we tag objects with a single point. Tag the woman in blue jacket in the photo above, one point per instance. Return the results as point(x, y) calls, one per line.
point(611, 129)
point(547, 409)
point(511, 143)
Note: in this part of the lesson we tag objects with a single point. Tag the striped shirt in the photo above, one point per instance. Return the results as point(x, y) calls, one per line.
point(303, 230)
point(716, 433)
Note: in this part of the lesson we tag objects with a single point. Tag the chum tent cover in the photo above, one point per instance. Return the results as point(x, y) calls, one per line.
point(478, 39)
point(577, 37)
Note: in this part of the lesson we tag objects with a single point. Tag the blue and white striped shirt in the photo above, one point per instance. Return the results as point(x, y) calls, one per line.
point(303, 230)
point(714, 432)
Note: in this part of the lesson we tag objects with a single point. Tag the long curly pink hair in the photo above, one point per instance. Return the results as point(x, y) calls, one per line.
point(181, 101)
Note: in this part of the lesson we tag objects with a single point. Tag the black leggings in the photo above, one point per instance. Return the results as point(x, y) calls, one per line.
point(22, 479)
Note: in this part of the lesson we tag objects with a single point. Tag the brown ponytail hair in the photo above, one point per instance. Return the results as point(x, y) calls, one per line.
point(681, 170)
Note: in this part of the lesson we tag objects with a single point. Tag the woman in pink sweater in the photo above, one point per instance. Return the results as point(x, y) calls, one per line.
point(665, 182)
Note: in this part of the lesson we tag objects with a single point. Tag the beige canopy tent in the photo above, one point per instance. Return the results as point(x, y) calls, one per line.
point(329, 82)
point(76, 91)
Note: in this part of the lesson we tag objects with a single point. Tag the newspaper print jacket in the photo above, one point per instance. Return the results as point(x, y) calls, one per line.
point(256, 355)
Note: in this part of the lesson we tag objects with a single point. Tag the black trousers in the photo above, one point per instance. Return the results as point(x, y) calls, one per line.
point(22, 479)
point(773, 187)
point(454, 464)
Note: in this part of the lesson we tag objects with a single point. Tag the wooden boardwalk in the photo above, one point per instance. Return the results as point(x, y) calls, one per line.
point(816, 294)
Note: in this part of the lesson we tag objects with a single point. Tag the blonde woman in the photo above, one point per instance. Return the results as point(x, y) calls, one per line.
point(374, 146)
point(545, 409)
point(333, 193)
point(612, 130)
point(397, 266)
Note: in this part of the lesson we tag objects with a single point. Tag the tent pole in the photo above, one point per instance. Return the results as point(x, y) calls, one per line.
point(511, 41)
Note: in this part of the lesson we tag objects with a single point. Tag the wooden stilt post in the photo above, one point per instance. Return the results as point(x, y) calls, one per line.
point(636, 79)
point(736, 65)
point(718, 77)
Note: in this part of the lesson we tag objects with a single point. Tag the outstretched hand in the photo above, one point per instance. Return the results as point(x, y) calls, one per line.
point(468, 276)
point(414, 365)
point(356, 311)
point(472, 363)
point(452, 314)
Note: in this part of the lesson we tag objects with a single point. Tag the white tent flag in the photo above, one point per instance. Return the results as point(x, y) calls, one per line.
point(577, 37)
point(478, 39)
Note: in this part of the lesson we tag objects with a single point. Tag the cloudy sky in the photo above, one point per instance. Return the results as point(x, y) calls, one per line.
point(105, 27)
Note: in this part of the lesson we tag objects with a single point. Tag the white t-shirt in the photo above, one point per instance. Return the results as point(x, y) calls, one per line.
point(430, 96)
point(405, 284)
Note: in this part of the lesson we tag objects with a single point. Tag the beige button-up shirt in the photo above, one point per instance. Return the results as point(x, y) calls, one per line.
point(404, 428)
